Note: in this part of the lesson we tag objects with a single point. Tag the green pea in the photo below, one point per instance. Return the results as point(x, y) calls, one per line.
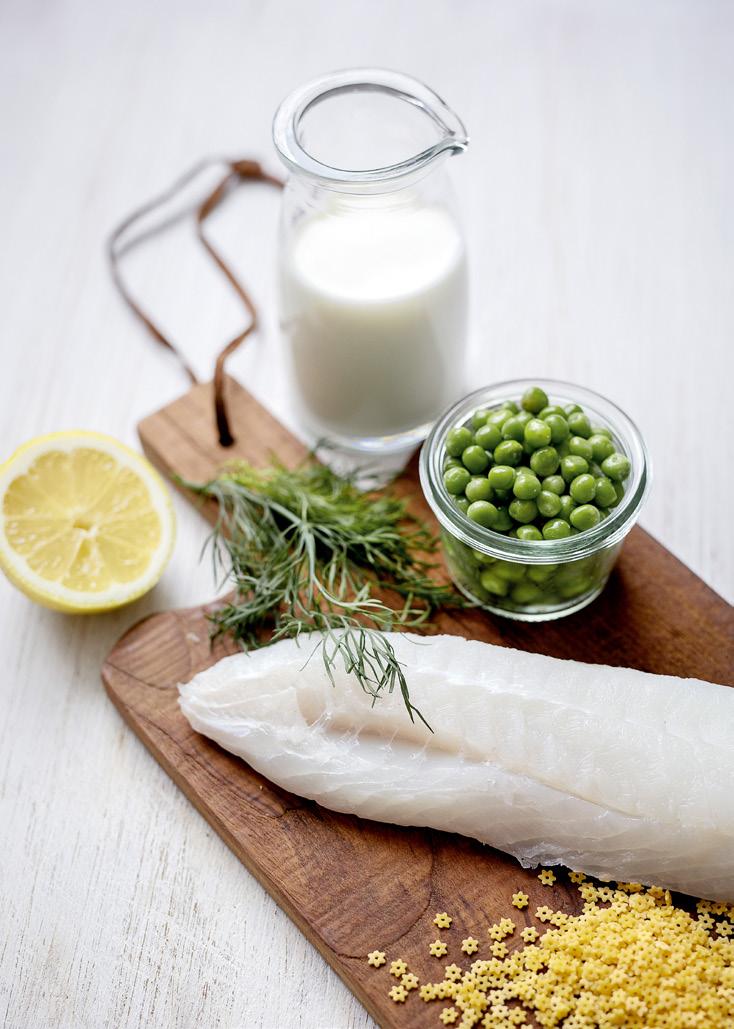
point(511, 571)
point(478, 488)
point(479, 418)
point(552, 409)
point(452, 462)
point(537, 433)
point(601, 430)
point(526, 592)
point(462, 503)
point(554, 484)
point(601, 446)
point(456, 480)
point(498, 417)
point(595, 470)
point(501, 476)
point(483, 513)
point(493, 584)
point(514, 428)
point(576, 587)
point(545, 461)
point(487, 436)
point(619, 490)
point(556, 529)
point(571, 409)
point(523, 469)
point(534, 399)
point(582, 489)
point(616, 466)
point(585, 517)
point(549, 504)
point(523, 511)
point(511, 406)
point(481, 558)
point(558, 426)
point(541, 573)
point(509, 451)
point(567, 506)
point(580, 447)
point(562, 448)
point(579, 424)
point(503, 522)
point(606, 495)
point(503, 494)
point(524, 416)
point(526, 487)
point(457, 440)
point(529, 532)
point(475, 459)
point(573, 465)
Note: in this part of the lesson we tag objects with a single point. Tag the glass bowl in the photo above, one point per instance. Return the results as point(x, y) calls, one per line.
point(531, 580)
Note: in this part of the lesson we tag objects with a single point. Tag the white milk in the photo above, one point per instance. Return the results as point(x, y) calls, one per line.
point(374, 304)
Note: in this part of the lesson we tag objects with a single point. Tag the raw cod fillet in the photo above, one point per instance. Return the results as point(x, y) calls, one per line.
point(615, 772)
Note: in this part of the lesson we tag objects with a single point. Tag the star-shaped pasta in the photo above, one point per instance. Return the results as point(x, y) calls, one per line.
point(398, 968)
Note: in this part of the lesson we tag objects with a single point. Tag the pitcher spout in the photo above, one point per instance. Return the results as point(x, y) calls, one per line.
point(365, 130)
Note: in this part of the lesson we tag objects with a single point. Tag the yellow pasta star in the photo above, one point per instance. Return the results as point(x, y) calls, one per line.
point(376, 958)
point(398, 994)
point(547, 877)
point(409, 981)
point(453, 973)
point(442, 920)
point(530, 934)
point(470, 945)
point(507, 926)
point(438, 948)
point(499, 949)
point(576, 877)
point(544, 913)
point(449, 1015)
point(427, 992)
point(398, 968)
point(520, 900)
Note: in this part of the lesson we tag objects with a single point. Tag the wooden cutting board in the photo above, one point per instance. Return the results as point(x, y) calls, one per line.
point(354, 886)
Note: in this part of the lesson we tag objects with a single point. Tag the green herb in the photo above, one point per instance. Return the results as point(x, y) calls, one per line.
point(307, 550)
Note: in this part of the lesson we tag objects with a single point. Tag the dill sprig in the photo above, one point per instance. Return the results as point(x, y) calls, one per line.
point(307, 550)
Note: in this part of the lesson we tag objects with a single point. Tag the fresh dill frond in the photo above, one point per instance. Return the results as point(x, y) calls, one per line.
point(307, 551)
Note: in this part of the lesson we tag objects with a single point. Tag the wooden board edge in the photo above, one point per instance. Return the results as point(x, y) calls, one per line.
point(333, 959)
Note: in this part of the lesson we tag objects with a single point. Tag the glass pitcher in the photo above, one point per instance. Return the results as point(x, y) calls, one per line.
point(372, 266)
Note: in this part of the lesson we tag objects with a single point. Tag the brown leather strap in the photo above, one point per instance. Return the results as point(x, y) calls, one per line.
point(119, 243)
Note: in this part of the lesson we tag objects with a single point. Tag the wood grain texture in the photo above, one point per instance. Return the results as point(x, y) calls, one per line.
point(597, 203)
point(353, 886)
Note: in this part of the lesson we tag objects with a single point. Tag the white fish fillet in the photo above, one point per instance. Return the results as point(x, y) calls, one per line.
point(611, 771)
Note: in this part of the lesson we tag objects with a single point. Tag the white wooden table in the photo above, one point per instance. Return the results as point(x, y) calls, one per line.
point(597, 195)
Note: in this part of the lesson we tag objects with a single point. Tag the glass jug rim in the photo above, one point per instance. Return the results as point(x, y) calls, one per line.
point(296, 105)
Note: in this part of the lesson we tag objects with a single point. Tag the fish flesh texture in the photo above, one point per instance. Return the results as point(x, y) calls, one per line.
point(615, 772)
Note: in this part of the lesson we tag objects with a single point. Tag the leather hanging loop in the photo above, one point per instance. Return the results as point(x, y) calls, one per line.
point(243, 170)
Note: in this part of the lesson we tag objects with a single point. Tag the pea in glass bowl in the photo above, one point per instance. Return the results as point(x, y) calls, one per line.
point(533, 580)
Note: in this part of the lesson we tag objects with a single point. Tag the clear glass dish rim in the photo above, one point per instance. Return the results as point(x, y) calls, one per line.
point(607, 533)
point(286, 125)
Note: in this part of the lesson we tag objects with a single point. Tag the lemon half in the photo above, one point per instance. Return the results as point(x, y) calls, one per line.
point(86, 524)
